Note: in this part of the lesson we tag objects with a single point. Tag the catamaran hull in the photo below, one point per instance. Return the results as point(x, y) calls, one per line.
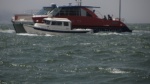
point(19, 28)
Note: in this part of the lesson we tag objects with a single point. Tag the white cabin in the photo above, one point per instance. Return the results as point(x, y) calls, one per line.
point(54, 24)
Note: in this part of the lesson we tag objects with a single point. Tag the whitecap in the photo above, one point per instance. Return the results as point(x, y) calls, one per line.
point(49, 35)
point(7, 31)
point(21, 65)
point(116, 71)
point(113, 70)
point(108, 33)
point(85, 43)
point(140, 31)
point(27, 34)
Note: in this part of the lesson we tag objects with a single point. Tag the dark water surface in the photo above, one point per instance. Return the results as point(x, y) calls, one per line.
point(101, 58)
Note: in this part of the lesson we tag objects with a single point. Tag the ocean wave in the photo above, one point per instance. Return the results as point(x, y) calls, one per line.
point(113, 70)
point(26, 34)
point(97, 69)
point(7, 31)
point(116, 71)
point(85, 43)
point(21, 65)
point(109, 33)
point(141, 31)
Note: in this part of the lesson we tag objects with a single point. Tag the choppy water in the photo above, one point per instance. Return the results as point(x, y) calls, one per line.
point(102, 58)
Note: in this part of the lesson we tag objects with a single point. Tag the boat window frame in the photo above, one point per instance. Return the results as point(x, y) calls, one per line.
point(47, 22)
point(72, 11)
point(66, 23)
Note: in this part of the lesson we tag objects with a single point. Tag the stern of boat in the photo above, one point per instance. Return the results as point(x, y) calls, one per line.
point(19, 19)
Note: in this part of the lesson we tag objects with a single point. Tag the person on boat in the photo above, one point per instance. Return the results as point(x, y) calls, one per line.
point(93, 11)
point(105, 18)
point(109, 17)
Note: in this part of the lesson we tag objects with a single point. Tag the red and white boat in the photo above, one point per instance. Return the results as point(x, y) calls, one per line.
point(84, 17)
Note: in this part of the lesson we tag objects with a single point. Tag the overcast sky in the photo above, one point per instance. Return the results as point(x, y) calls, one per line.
point(134, 11)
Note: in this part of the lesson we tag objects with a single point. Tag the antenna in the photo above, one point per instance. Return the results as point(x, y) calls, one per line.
point(79, 2)
point(119, 10)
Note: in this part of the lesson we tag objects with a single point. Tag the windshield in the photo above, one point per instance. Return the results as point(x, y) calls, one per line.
point(42, 12)
point(55, 11)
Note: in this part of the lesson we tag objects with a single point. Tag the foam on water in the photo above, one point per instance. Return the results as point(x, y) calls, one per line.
point(48, 35)
point(85, 43)
point(116, 71)
point(26, 34)
point(7, 31)
point(140, 31)
point(113, 70)
point(109, 33)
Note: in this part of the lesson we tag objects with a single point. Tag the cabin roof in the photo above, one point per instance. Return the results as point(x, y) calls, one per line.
point(78, 7)
point(58, 19)
point(73, 7)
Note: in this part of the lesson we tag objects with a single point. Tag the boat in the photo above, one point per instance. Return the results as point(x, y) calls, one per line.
point(85, 17)
point(54, 26)
point(19, 19)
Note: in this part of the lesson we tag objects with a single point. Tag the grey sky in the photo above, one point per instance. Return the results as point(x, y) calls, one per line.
point(134, 11)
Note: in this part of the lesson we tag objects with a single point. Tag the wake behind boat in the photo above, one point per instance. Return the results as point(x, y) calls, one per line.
point(54, 26)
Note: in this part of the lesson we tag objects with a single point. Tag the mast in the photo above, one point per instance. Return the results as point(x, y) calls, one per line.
point(119, 10)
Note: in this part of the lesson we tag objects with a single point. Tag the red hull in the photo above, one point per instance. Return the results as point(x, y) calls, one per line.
point(90, 22)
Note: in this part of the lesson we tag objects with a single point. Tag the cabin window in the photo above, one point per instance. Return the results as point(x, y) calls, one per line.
point(66, 24)
point(69, 11)
point(85, 13)
point(56, 11)
point(46, 22)
point(41, 12)
point(57, 23)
